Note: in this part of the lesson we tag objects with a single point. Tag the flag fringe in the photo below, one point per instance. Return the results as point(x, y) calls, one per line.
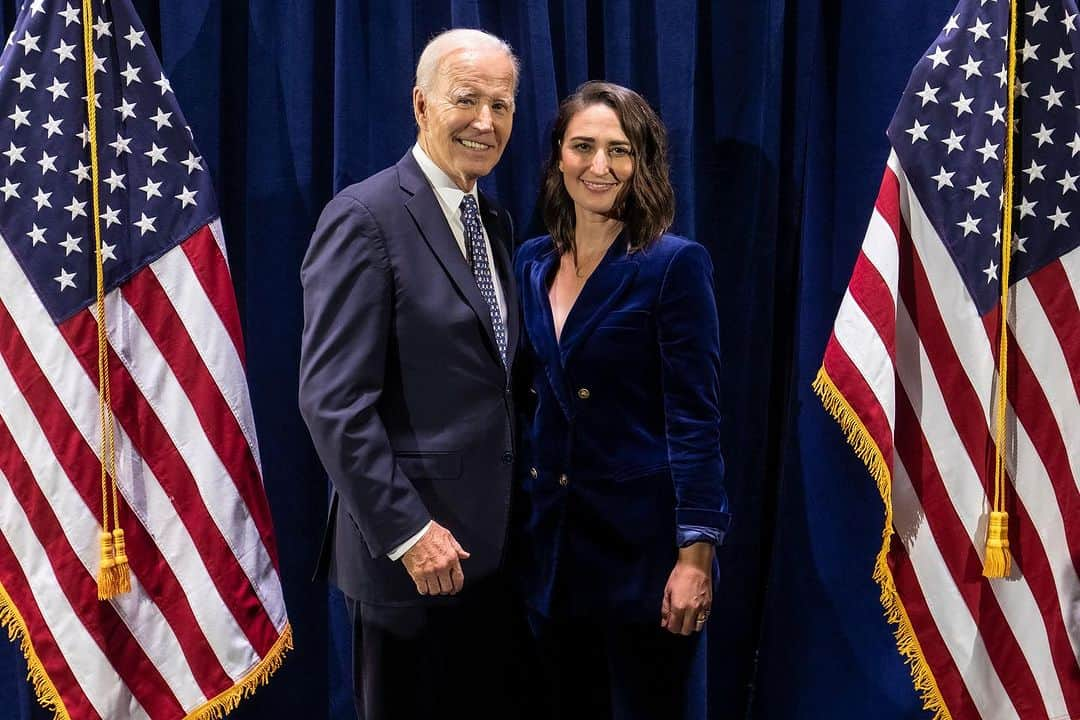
point(867, 450)
point(49, 698)
point(44, 690)
point(228, 701)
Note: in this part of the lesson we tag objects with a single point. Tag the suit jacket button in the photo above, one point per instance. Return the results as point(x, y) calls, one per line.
point(583, 393)
point(508, 457)
point(563, 480)
point(532, 473)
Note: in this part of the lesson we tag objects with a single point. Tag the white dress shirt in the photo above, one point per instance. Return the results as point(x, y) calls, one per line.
point(450, 196)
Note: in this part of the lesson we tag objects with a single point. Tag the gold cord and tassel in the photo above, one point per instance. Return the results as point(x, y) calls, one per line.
point(997, 561)
point(114, 574)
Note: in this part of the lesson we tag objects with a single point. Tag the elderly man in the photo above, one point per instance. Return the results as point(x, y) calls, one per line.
point(410, 326)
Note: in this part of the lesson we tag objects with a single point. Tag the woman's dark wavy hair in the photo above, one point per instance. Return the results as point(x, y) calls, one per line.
point(646, 205)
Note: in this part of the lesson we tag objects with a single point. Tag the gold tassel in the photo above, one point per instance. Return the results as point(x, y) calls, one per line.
point(998, 562)
point(121, 570)
point(114, 575)
point(108, 562)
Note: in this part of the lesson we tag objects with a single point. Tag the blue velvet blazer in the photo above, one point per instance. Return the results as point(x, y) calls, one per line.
point(620, 428)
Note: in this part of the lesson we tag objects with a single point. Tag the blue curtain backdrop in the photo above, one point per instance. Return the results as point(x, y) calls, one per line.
point(777, 111)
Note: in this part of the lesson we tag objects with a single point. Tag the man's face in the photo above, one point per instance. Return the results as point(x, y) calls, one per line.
point(466, 118)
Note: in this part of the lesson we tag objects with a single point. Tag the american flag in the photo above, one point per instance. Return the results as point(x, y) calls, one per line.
point(205, 621)
point(910, 368)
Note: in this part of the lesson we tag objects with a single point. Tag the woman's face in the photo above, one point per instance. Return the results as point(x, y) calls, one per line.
point(596, 159)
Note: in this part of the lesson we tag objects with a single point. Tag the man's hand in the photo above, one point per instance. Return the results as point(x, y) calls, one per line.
point(434, 562)
point(688, 594)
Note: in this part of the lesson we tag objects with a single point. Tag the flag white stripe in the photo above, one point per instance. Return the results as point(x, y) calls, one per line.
point(219, 237)
point(947, 607)
point(210, 337)
point(1036, 339)
point(966, 494)
point(92, 670)
point(881, 248)
point(174, 410)
point(136, 609)
point(1037, 495)
point(1071, 262)
point(962, 322)
point(859, 339)
point(136, 481)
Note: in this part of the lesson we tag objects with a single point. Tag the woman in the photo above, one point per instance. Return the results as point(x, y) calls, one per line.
point(623, 496)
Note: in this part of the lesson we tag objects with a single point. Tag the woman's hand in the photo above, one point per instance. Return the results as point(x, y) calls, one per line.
point(688, 594)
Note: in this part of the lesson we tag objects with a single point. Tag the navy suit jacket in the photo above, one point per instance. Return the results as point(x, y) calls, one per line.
point(401, 384)
point(620, 442)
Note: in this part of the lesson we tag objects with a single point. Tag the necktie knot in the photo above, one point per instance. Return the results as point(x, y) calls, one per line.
point(468, 205)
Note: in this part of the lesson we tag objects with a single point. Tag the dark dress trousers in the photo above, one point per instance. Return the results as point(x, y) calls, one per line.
point(620, 450)
point(407, 402)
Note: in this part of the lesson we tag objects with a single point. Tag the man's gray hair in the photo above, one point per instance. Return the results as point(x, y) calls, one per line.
point(446, 42)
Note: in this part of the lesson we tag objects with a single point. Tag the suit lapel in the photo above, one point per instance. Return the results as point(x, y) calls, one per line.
point(602, 291)
point(536, 309)
point(425, 210)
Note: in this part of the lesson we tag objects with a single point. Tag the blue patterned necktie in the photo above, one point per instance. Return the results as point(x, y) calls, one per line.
point(474, 240)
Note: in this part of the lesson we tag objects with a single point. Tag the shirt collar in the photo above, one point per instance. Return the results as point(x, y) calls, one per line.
point(442, 183)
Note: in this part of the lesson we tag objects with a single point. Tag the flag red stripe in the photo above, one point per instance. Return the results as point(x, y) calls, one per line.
point(1033, 411)
point(1052, 288)
point(156, 447)
point(965, 410)
point(872, 294)
point(82, 468)
point(947, 676)
point(968, 417)
point(963, 563)
point(212, 270)
point(852, 385)
point(52, 660)
point(108, 631)
point(150, 303)
point(888, 200)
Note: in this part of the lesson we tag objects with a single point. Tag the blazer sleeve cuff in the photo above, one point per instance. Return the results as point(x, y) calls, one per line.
point(397, 527)
point(397, 553)
point(691, 534)
point(717, 520)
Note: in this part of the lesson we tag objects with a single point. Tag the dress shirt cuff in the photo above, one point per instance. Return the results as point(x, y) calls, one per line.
point(406, 546)
point(690, 534)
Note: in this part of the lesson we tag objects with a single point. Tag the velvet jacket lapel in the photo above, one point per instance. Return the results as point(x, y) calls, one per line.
point(602, 292)
point(428, 215)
